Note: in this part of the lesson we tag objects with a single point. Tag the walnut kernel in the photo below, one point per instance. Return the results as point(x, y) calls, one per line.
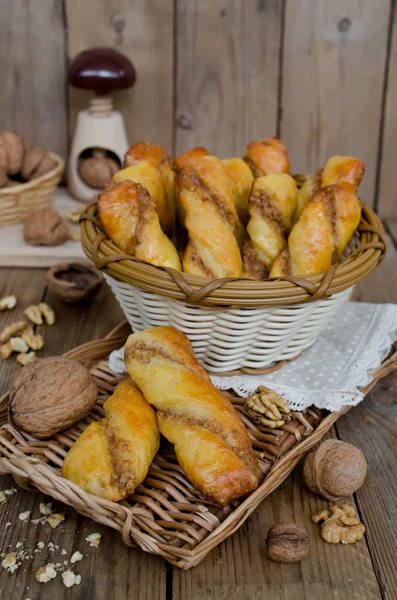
point(340, 525)
point(8, 302)
point(24, 358)
point(11, 330)
point(33, 313)
point(47, 312)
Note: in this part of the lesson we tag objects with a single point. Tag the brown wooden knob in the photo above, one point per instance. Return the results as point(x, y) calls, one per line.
point(103, 70)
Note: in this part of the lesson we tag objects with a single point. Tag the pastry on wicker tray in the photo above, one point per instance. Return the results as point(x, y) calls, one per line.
point(211, 219)
point(241, 178)
point(112, 456)
point(272, 206)
point(265, 157)
point(321, 234)
point(129, 217)
point(211, 443)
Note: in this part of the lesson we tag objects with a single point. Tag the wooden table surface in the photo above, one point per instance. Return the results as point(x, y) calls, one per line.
point(238, 568)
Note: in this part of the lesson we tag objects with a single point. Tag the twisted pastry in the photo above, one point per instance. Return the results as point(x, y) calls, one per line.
point(148, 165)
point(272, 207)
point(211, 443)
point(112, 456)
point(190, 154)
point(321, 235)
point(307, 192)
point(241, 177)
point(345, 171)
point(211, 219)
point(129, 217)
point(266, 157)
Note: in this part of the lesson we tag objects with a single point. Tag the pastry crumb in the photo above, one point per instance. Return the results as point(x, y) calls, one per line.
point(94, 539)
point(46, 573)
point(24, 515)
point(45, 509)
point(76, 556)
point(8, 524)
point(69, 578)
point(55, 519)
point(9, 563)
point(64, 551)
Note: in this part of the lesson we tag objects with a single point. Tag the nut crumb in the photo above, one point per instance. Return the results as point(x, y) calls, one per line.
point(10, 562)
point(73, 217)
point(47, 312)
point(24, 358)
point(40, 545)
point(24, 515)
point(18, 344)
point(45, 509)
point(69, 578)
point(76, 556)
point(94, 539)
point(12, 330)
point(46, 573)
point(8, 302)
point(33, 313)
point(64, 551)
point(55, 519)
point(8, 524)
point(35, 341)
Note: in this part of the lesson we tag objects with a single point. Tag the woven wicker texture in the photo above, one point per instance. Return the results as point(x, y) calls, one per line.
point(19, 201)
point(166, 515)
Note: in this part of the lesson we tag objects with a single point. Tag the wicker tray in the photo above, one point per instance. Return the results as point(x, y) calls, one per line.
point(166, 515)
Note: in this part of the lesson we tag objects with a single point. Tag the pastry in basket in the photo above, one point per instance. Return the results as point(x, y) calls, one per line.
point(154, 153)
point(112, 456)
point(211, 443)
point(266, 157)
point(241, 177)
point(145, 172)
point(272, 206)
point(190, 154)
point(345, 171)
point(129, 217)
point(321, 235)
point(211, 219)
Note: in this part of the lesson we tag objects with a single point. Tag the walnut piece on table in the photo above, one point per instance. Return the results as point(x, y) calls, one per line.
point(340, 524)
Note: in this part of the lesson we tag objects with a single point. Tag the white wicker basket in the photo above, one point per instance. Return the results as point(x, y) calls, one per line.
point(229, 339)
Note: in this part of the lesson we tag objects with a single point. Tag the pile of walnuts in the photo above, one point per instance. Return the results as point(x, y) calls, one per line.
point(18, 164)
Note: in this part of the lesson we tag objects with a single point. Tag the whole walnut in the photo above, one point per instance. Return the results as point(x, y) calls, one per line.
point(51, 394)
point(45, 228)
point(287, 542)
point(335, 470)
point(37, 162)
point(96, 170)
point(12, 149)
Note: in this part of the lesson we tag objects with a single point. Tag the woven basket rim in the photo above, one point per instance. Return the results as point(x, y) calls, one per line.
point(233, 291)
point(27, 185)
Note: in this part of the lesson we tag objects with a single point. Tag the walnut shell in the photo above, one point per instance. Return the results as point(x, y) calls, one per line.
point(50, 394)
point(12, 150)
point(97, 170)
point(74, 282)
point(335, 470)
point(287, 543)
point(45, 228)
point(37, 162)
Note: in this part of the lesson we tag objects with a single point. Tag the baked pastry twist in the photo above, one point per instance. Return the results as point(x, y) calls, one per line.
point(150, 166)
point(272, 207)
point(190, 154)
point(345, 171)
point(266, 157)
point(308, 191)
point(112, 456)
point(211, 219)
point(129, 217)
point(211, 443)
point(241, 177)
point(321, 235)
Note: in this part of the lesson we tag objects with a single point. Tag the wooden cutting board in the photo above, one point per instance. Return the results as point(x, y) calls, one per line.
point(14, 252)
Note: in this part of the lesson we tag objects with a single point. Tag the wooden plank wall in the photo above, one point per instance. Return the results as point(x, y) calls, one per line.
point(218, 73)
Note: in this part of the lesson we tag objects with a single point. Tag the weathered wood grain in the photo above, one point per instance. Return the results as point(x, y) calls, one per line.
point(372, 427)
point(387, 196)
point(381, 284)
point(238, 569)
point(227, 73)
point(333, 70)
point(113, 571)
point(33, 68)
point(391, 225)
point(143, 31)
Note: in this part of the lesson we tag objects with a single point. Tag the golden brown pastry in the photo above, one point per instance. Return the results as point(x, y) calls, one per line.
point(308, 191)
point(112, 456)
point(211, 219)
point(266, 157)
point(321, 235)
point(129, 217)
point(190, 154)
point(154, 153)
point(142, 165)
point(241, 177)
point(211, 443)
point(272, 207)
point(345, 171)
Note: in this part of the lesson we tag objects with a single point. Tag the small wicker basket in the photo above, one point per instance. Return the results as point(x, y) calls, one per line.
point(235, 325)
point(19, 201)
